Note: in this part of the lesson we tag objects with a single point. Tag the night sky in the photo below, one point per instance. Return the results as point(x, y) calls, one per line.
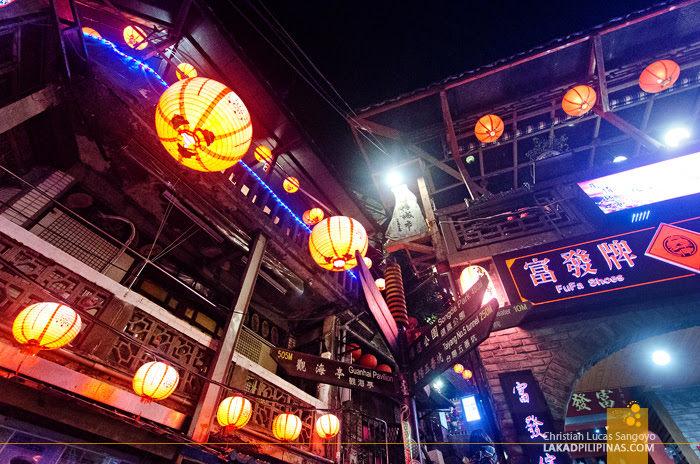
point(375, 50)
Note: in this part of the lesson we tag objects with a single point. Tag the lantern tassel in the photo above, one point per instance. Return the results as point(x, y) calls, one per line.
point(31, 348)
point(146, 399)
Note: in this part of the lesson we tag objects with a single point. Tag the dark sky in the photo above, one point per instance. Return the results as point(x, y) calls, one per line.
point(375, 50)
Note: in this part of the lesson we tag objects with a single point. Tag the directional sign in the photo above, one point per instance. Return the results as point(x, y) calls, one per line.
point(377, 305)
point(473, 330)
point(332, 372)
point(510, 316)
point(444, 325)
point(677, 246)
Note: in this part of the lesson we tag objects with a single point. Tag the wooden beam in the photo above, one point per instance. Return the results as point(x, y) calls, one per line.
point(18, 112)
point(435, 237)
point(375, 128)
point(408, 245)
point(600, 66)
point(629, 129)
point(434, 161)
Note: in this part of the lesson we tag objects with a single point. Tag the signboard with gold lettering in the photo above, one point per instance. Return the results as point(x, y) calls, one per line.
point(332, 372)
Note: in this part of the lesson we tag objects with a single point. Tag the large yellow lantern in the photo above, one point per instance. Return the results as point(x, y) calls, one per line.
point(185, 71)
point(135, 37)
point(155, 381)
point(286, 427)
point(312, 216)
point(291, 184)
point(327, 426)
point(334, 240)
point(234, 412)
point(45, 326)
point(203, 124)
point(263, 154)
point(470, 275)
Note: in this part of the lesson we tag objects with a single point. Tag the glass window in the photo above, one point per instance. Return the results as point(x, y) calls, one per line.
point(206, 322)
point(155, 290)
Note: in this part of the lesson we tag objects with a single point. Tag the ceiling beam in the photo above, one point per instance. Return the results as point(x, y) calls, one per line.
point(641, 137)
point(600, 67)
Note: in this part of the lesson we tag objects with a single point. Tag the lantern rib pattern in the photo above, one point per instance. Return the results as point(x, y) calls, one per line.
point(659, 76)
point(395, 298)
point(333, 242)
point(234, 412)
point(155, 381)
point(578, 100)
point(327, 426)
point(46, 326)
point(489, 128)
point(286, 427)
point(185, 71)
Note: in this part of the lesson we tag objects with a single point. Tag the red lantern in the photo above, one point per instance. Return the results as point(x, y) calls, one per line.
point(489, 128)
point(659, 76)
point(368, 360)
point(458, 368)
point(578, 100)
point(467, 374)
point(384, 368)
point(354, 350)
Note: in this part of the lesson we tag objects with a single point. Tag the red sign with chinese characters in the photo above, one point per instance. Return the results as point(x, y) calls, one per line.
point(595, 266)
point(676, 246)
point(597, 402)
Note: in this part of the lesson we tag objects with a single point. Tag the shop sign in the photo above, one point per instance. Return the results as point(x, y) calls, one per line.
point(597, 402)
point(473, 329)
point(596, 266)
point(333, 372)
point(531, 416)
point(510, 316)
point(676, 246)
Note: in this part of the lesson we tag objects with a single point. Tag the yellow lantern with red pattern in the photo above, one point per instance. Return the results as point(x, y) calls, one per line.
point(45, 326)
point(185, 71)
point(234, 412)
point(135, 37)
point(286, 427)
point(155, 381)
point(334, 240)
point(263, 154)
point(327, 426)
point(313, 216)
point(290, 184)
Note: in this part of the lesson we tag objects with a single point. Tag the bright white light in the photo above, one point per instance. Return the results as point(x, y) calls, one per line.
point(661, 357)
point(619, 159)
point(394, 179)
point(438, 383)
point(675, 135)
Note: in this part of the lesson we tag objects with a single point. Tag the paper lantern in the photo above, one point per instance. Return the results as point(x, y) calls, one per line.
point(578, 100)
point(381, 284)
point(185, 71)
point(155, 381)
point(327, 426)
point(203, 124)
point(263, 154)
point(312, 216)
point(5, 2)
point(334, 240)
point(354, 350)
point(286, 427)
point(659, 76)
point(234, 412)
point(458, 368)
point(467, 374)
point(45, 326)
point(368, 262)
point(384, 368)
point(135, 37)
point(489, 128)
point(91, 32)
point(470, 275)
point(291, 184)
point(368, 360)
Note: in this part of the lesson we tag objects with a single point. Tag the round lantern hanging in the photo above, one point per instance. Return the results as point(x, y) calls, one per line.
point(286, 427)
point(384, 368)
point(91, 32)
point(354, 350)
point(234, 412)
point(327, 426)
point(155, 381)
point(368, 360)
point(135, 37)
point(578, 100)
point(45, 326)
point(467, 374)
point(203, 124)
point(489, 128)
point(291, 184)
point(185, 71)
point(381, 284)
point(263, 154)
point(313, 216)
point(368, 262)
point(458, 368)
point(334, 240)
point(659, 76)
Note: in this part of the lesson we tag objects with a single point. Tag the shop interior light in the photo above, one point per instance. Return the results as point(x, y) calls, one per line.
point(394, 178)
point(619, 159)
point(661, 357)
point(438, 383)
point(676, 135)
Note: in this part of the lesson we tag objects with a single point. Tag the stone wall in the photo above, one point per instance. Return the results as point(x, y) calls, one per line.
point(683, 404)
point(558, 351)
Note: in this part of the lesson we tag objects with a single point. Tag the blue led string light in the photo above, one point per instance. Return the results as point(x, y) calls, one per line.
point(140, 64)
point(150, 70)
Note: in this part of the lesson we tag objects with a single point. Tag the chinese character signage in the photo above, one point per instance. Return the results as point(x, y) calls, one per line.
point(603, 265)
point(597, 402)
point(510, 316)
point(332, 372)
point(531, 416)
point(464, 337)
point(676, 246)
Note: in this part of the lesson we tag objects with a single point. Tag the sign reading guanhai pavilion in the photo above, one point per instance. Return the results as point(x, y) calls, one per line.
point(333, 372)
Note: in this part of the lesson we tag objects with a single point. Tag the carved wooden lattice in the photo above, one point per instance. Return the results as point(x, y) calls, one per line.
point(280, 402)
point(170, 345)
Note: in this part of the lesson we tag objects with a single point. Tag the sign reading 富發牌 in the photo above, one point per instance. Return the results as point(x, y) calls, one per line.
point(333, 372)
point(595, 266)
